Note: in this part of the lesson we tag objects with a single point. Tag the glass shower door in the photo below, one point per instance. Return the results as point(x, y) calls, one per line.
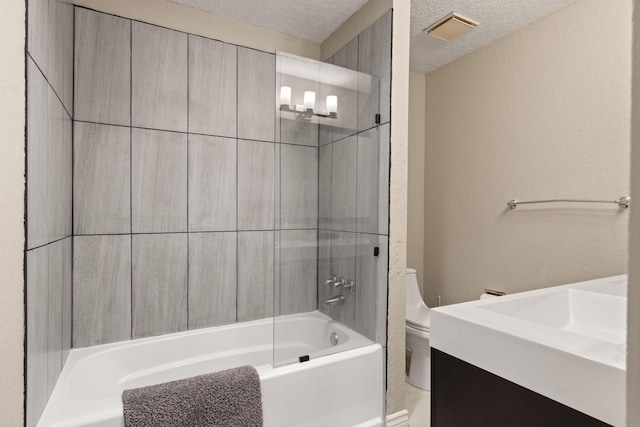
point(331, 267)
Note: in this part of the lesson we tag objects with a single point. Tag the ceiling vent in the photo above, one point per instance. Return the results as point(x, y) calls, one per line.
point(450, 27)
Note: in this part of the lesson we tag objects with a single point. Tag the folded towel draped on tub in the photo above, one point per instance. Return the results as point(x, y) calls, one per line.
point(225, 398)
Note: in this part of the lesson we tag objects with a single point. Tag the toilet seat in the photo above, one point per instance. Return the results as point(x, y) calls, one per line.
point(419, 316)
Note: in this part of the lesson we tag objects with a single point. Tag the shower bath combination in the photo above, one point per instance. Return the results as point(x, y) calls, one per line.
point(209, 220)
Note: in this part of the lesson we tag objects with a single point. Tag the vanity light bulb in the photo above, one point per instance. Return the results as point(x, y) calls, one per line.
point(309, 100)
point(332, 104)
point(285, 95)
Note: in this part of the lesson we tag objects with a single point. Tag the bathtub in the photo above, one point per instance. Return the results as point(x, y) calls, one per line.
point(337, 389)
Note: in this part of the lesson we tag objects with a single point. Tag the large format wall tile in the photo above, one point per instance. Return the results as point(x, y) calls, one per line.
point(256, 92)
point(298, 187)
point(343, 265)
point(255, 274)
point(325, 127)
point(60, 177)
point(102, 182)
point(101, 289)
point(159, 181)
point(56, 270)
point(374, 53)
point(159, 284)
point(212, 183)
point(255, 185)
point(50, 44)
point(373, 181)
point(212, 87)
point(159, 78)
point(67, 296)
point(102, 68)
point(298, 270)
point(343, 184)
point(324, 186)
point(38, 118)
point(37, 332)
point(324, 269)
point(49, 142)
point(38, 32)
point(347, 122)
point(212, 279)
point(60, 50)
point(371, 285)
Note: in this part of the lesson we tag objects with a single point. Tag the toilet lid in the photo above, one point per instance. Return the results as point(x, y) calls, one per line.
point(419, 316)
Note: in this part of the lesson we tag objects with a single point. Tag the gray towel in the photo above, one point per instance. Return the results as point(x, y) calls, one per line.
point(227, 398)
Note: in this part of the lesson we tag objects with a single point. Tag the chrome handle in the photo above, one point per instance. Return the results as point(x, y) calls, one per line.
point(338, 282)
point(331, 281)
point(349, 286)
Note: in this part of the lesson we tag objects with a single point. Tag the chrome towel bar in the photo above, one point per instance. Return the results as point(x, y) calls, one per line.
point(623, 202)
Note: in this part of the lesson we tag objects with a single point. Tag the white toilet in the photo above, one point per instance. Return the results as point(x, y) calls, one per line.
point(417, 326)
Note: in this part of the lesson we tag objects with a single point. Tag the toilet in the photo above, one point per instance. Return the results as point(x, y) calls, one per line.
point(417, 326)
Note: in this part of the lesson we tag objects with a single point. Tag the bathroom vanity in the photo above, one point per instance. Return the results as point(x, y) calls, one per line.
point(553, 356)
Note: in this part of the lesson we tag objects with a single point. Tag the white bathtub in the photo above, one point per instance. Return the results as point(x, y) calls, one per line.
point(340, 389)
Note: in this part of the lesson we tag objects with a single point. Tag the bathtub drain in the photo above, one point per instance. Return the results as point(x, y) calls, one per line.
point(334, 339)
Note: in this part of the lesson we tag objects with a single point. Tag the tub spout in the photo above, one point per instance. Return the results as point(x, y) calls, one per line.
point(335, 300)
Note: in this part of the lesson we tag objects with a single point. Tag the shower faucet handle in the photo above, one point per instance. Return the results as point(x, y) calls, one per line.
point(349, 285)
point(338, 282)
point(331, 281)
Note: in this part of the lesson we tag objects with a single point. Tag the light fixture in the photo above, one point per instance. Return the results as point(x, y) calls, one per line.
point(450, 27)
point(285, 95)
point(306, 111)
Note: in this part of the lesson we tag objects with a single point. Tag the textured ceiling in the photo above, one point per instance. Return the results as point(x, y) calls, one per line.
point(312, 20)
point(315, 20)
point(496, 19)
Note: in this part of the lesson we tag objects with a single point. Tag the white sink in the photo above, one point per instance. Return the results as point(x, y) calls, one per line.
point(599, 316)
point(566, 342)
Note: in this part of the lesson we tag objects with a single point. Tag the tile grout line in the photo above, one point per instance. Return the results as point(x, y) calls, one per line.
point(199, 134)
point(188, 149)
point(237, 184)
point(73, 183)
point(131, 314)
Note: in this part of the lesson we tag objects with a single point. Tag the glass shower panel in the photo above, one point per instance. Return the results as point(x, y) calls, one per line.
point(320, 306)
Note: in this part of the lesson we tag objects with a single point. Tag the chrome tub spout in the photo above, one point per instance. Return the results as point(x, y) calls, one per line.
point(335, 300)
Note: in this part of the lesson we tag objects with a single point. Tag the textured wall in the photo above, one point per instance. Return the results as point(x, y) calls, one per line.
point(415, 196)
point(633, 308)
point(540, 114)
point(398, 207)
point(12, 120)
point(49, 195)
point(194, 21)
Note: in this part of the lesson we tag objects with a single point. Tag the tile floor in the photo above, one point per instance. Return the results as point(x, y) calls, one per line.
point(418, 404)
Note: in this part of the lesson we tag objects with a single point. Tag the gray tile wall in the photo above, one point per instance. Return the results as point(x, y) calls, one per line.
point(178, 195)
point(354, 188)
point(49, 197)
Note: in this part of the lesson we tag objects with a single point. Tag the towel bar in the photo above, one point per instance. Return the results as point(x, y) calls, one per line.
point(623, 202)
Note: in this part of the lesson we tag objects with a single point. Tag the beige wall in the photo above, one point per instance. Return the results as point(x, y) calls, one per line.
point(415, 199)
point(542, 113)
point(194, 21)
point(633, 309)
point(12, 122)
